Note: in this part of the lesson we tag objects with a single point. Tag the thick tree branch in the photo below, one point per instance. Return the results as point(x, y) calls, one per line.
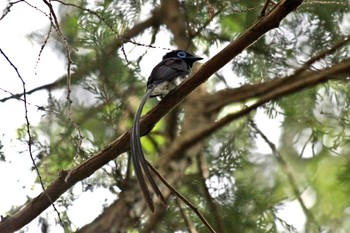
point(173, 18)
point(190, 138)
point(290, 85)
point(252, 34)
point(221, 98)
point(67, 179)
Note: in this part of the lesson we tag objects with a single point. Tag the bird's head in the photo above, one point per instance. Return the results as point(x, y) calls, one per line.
point(187, 57)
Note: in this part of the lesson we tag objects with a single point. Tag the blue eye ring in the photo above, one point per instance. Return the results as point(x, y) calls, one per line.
point(181, 54)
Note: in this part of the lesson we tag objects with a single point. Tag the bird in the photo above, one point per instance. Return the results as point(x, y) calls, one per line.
point(174, 67)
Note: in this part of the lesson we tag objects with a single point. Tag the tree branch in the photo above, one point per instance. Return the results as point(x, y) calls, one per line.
point(67, 179)
point(190, 138)
point(221, 98)
point(289, 85)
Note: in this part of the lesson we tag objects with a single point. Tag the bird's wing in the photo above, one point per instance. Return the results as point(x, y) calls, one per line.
point(167, 70)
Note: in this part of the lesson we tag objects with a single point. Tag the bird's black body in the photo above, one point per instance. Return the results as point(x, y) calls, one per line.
point(175, 65)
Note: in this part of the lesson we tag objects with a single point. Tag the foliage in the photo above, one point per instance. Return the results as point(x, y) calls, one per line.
point(234, 177)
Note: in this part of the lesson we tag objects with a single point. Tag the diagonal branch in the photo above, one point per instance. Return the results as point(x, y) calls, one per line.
point(290, 85)
point(223, 97)
point(188, 139)
point(67, 179)
point(249, 37)
point(184, 199)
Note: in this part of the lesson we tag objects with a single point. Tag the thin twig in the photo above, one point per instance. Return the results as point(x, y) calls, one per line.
point(179, 195)
point(249, 9)
point(205, 25)
point(202, 169)
point(8, 8)
point(322, 55)
point(41, 108)
point(188, 221)
point(42, 48)
point(69, 78)
point(287, 171)
point(30, 139)
point(263, 10)
point(109, 26)
point(326, 3)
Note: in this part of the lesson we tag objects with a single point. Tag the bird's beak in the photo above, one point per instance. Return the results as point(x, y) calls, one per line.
point(195, 58)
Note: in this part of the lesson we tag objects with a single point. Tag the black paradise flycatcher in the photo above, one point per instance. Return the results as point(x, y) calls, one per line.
point(176, 65)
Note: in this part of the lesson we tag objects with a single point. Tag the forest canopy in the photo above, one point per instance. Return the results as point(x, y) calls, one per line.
point(259, 127)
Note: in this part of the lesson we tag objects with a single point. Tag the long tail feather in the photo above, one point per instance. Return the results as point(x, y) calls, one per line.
point(139, 160)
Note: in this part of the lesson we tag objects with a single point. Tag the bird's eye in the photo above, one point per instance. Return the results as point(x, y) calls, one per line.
point(181, 54)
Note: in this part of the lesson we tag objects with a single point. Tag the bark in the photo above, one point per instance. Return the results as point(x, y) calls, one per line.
point(67, 179)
